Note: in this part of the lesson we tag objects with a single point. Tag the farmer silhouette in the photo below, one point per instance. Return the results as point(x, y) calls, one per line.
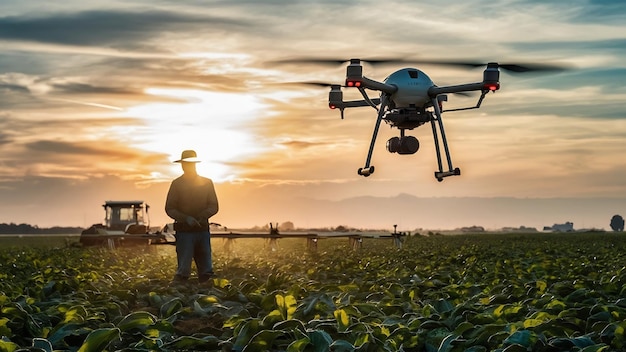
point(191, 201)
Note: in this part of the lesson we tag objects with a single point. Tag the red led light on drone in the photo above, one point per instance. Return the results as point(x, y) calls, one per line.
point(332, 106)
point(353, 83)
point(492, 86)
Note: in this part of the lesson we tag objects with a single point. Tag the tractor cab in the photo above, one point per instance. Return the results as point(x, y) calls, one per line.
point(125, 224)
point(125, 215)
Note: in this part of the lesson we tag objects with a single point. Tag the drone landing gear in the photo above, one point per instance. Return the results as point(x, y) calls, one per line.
point(366, 171)
point(440, 175)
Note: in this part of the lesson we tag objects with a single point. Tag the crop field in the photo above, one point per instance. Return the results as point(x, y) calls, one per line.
point(488, 292)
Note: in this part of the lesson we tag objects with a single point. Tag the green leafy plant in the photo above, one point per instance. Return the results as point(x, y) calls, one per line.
point(488, 292)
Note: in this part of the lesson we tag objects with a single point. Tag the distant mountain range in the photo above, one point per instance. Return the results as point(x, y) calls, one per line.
point(411, 212)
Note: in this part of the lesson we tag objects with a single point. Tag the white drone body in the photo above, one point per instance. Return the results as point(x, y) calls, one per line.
point(413, 86)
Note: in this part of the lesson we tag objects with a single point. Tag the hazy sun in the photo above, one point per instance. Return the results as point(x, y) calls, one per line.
point(214, 124)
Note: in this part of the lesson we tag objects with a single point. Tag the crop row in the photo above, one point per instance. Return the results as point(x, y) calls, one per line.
point(531, 292)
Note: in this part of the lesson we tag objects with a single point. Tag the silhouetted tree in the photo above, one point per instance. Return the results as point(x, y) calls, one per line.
point(617, 223)
point(26, 229)
point(286, 226)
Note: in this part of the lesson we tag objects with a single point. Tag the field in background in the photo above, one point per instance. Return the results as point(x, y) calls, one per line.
point(37, 240)
point(487, 292)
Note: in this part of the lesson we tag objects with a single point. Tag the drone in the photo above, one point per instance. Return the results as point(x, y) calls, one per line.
point(409, 99)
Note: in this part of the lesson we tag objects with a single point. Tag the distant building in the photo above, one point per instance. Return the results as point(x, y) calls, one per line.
point(567, 227)
point(519, 229)
point(472, 229)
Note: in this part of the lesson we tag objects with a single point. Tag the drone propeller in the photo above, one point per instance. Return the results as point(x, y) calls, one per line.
point(510, 67)
point(334, 62)
point(317, 84)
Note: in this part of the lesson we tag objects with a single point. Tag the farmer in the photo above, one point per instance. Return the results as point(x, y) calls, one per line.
point(191, 201)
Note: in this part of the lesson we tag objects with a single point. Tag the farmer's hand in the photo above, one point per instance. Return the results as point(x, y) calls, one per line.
point(191, 221)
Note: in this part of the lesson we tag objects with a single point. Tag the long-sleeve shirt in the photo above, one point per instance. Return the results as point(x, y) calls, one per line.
point(191, 195)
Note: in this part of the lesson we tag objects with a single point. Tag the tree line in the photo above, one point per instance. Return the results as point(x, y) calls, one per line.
point(26, 229)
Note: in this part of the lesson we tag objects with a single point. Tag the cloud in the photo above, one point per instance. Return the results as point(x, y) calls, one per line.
point(46, 147)
point(602, 10)
point(121, 29)
point(86, 88)
point(300, 144)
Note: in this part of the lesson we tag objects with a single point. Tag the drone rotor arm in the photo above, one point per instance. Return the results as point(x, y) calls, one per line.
point(469, 87)
point(359, 103)
point(368, 99)
point(367, 83)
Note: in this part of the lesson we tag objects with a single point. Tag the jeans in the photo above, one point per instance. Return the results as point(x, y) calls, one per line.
point(194, 246)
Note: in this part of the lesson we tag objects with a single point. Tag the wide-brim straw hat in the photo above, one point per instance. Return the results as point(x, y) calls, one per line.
point(188, 156)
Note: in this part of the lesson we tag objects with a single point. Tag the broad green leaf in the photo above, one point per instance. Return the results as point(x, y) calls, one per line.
point(137, 320)
point(163, 326)
point(290, 325)
point(446, 343)
point(541, 286)
point(515, 348)
point(521, 337)
point(221, 282)
point(206, 300)
point(481, 334)
point(343, 320)
point(543, 316)
point(597, 348)
point(287, 305)
point(272, 318)
point(556, 305)
point(99, 339)
point(320, 340)
point(362, 338)
point(443, 306)
point(342, 346)
point(42, 344)
point(582, 341)
point(262, 341)
point(192, 343)
point(349, 288)
point(8, 346)
point(463, 327)
point(171, 307)
point(299, 345)
point(76, 314)
point(14, 313)
point(531, 323)
point(245, 333)
point(498, 312)
point(4, 329)
point(155, 299)
point(476, 349)
point(60, 333)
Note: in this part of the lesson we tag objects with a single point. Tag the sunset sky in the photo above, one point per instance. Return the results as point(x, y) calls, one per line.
point(97, 98)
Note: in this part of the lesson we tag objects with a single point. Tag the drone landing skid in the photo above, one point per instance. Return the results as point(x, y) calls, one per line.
point(439, 175)
point(437, 123)
point(366, 171)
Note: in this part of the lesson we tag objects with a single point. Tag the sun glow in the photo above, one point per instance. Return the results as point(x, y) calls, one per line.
point(212, 123)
